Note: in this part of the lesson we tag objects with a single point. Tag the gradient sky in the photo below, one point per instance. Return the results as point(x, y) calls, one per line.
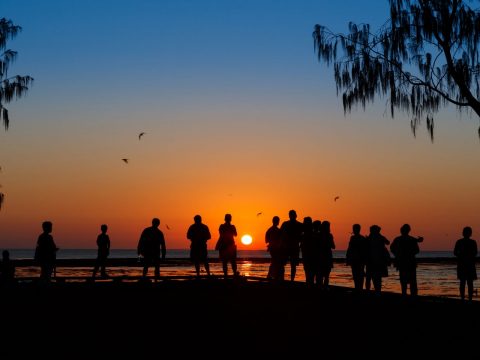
point(239, 117)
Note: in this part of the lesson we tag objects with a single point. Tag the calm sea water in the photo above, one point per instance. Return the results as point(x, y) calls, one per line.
point(434, 277)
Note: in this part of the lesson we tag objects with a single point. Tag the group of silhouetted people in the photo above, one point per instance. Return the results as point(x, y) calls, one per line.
point(312, 238)
point(368, 256)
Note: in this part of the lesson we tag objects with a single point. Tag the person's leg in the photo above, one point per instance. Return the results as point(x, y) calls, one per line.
point(145, 270)
point(414, 287)
point(234, 267)
point(197, 267)
point(358, 277)
point(403, 285)
point(470, 289)
point(309, 277)
point(157, 269)
point(293, 268)
point(308, 272)
point(281, 270)
point(225, 268)
point(326, 281)
point(270, 271)
point(462, 289)
point(95, 269)
point(377, 283)
point(368, 281)
point(103, 271)
point(43, 272)
point(361, 279)
point(207, 267)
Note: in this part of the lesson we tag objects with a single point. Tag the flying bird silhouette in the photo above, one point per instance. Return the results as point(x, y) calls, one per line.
point(125, 160)
point(140, 135)
point(336, 198)
point(258, 214)
point(167, 226)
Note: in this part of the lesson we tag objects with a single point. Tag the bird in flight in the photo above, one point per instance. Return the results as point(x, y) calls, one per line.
point(125, 161)
point(140, 135)
point(168, 227)
point(336, 198)
point(258, 214)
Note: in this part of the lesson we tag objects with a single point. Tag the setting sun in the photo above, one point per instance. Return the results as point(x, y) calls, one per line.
point(246, 239)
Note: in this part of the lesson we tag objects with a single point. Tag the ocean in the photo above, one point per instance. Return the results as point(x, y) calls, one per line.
point(436, 272)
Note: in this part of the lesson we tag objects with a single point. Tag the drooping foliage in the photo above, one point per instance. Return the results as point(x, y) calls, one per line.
point(424, 57)
point(11, 87)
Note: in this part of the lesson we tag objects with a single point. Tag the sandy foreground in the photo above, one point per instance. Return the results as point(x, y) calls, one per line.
point(229, 319)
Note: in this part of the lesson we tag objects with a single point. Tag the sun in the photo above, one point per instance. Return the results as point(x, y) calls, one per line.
point(246, 239)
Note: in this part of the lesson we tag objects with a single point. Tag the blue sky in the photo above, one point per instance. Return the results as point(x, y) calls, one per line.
point(231, 96)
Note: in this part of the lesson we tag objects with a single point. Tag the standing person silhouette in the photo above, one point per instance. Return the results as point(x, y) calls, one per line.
point(292, 232)
point(199, 234)
point(150, 244)
point(309, 245)
point(378, 258)
point(226, 245)
point(404, 248)
point(466, 252)
point(46, 252)
point(325, 247)
point(103, 243)
point(357, 256)
point(275, 246)
point(7, 269)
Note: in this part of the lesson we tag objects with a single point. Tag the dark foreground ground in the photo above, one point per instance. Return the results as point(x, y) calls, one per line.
point(208, 319)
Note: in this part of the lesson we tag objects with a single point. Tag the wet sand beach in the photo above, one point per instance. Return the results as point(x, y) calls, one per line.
point(221, 319)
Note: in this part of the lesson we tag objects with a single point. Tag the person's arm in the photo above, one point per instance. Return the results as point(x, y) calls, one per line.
point(387, 242)
point(108, 242)
point(162, 243)
point(456, 250)
point(140, 244)
point(416, 248)
point(54, 246)
point(394, 247)
point(348, 255)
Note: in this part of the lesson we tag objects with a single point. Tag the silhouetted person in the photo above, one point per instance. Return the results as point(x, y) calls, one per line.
point(378, 258)
point(150, 244)
point(199, 234)
point(357, 256)
point(226, 245)
point(404, 248)
point(292, 231)
point(275, 246)
point(103, 244)
point(326, 245)
point(309, 245)
point(46, 252)
point(7, 269)
point(466, 253)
